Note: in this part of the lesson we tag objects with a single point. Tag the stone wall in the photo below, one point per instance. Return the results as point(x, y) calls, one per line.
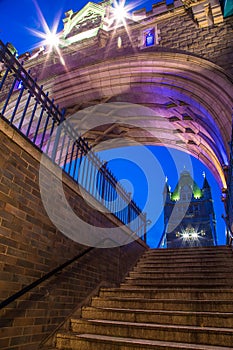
point(176, 31)
point(31, 246)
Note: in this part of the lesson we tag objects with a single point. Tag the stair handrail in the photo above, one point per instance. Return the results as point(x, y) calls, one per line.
point(59, 268)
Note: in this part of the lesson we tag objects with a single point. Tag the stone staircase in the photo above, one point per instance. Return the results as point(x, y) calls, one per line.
point(173, 299)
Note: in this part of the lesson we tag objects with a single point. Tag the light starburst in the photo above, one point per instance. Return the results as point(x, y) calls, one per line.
point(120, 11)
point(50, 37)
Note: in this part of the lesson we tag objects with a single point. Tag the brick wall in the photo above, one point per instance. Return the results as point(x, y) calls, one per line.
point(30, 246)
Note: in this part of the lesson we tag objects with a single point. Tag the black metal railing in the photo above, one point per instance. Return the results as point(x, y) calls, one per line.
point(44, 278)
point(25, 106)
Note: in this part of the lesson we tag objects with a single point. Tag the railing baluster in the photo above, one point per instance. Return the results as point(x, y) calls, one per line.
point(62, 147)
point(49, 116)
point(84, 171)
point(76, 163)
point(86, 177)
point(32, 115)
point(46, 124)
point(71, 158)
point(4, 77)
point(8, 97)
point(92, 175)
point(25, 111)
point(57, 137)
point(39, 121)
point(17, 104)
point(66, 154)
point(44, 131)
point(50, 136)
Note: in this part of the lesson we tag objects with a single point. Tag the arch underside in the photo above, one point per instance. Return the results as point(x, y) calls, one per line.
point(166, 99)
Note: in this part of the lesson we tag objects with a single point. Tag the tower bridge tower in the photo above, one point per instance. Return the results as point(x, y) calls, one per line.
point(190, 214)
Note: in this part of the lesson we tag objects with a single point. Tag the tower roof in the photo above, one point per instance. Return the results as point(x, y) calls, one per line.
point(206, 184)
point(166, 189)
point(186, 181)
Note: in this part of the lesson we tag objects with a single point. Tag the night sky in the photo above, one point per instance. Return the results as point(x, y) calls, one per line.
point(16, 20)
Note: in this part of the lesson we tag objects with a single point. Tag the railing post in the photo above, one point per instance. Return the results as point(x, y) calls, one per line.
point(103, 171)
point(129, 209)
point(145, 227)
point(57, 137)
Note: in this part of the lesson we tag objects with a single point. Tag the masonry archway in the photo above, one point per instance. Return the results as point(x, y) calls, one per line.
point(190, 100)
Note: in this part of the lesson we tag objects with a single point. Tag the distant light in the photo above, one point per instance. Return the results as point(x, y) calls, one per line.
point(119, 10)
point(190, 234)
point(197, 193)
point(119, 42)
point(20, 85)
point(51, 39)
point(194, 235)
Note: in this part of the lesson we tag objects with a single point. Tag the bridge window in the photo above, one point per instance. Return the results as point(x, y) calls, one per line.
point(149, 37)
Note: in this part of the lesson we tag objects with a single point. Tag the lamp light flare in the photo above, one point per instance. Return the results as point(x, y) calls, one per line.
point(120, 11)
point(194, 235)
point(190, 234)
point(51, 39)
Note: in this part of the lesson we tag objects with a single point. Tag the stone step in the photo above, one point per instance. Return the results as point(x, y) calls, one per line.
point(179, 293)
point(190, 251)
point(184, 249)
point(182, 273)
point(173, 264)
point(187, 259)
point(73, 341)
point(188, 334)
point(202, 281)
point(173, 299)
point(186, 262)
point(182, 270)
point(227, 278)
point(167, 284)
point(202, 305)
point(179, 263)
point(203, 319)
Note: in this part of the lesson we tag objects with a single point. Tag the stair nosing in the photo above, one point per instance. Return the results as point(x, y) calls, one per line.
point(155, 326)
point(145, 342)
